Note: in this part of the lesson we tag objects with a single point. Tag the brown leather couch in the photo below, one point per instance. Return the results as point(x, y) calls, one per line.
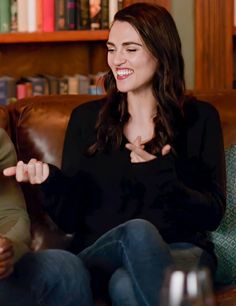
point(37, 127)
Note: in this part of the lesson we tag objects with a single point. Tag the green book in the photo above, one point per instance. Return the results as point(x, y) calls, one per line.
point(5, 16)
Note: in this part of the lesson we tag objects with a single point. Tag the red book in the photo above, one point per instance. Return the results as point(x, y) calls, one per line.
point(39, 15)
point(48, 16)
point(21, 91)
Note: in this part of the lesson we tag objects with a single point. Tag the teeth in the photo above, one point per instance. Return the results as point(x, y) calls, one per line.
point(124, 72)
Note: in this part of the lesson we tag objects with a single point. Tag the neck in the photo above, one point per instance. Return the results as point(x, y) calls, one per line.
point(142, 108)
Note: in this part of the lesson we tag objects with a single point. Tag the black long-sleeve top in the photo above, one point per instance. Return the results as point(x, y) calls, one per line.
point(182, 194)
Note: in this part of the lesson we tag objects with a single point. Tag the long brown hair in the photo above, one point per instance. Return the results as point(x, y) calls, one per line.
point(158, 31)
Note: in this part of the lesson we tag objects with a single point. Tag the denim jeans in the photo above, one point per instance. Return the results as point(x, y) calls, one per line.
point(136, 258)
point(47, 278)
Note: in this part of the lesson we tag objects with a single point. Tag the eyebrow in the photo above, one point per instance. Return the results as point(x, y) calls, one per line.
point(109, 43)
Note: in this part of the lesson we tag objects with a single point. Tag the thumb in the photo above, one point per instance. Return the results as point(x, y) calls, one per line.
point(137, 141)
point(9, 171)
point(166, 149)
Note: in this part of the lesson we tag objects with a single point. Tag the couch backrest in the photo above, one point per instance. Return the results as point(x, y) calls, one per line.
point(38, 125)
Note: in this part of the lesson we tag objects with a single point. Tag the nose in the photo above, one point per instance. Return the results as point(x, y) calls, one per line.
point(118, 58)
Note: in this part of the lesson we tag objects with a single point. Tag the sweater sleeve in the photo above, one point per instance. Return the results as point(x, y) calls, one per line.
point(61, 195)
point(14, 220)
point(59, 200)
point(201, 205)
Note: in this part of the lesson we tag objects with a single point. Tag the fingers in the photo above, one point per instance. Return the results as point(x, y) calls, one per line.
point(166, 149)
point(6, 264)
point(6, 257)
point(9, 171)
point(137, 141)
point(138, 153)
point(21, 172)
point(37, 171)
point(34, 172)
point(5, 245)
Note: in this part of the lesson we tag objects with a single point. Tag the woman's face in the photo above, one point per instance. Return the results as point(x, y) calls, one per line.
point(132, 64)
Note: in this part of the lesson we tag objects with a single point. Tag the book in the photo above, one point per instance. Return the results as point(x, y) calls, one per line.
point(83, 15)
point(60, 15)
point(39, 85)
point(63, 86)
point(48, 16)
point(95, 7)
point(83, 82)
point(22, 14)
point(71, 14)
point(73, 86)
point(104, 14)
point(120, 4)
point(52, 84)
point(97, 84)
point(23, 88)
point(39, 15)
point(21, 91)
point(113, 8)
point(32, 16)
point(14, 16)
point(7, 90)
point(5, 16)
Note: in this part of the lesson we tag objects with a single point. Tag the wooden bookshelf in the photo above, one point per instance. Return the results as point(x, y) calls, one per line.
point(60, 36)
point(57, 53)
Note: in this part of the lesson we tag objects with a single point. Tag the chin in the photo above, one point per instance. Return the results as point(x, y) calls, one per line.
point(123, 89)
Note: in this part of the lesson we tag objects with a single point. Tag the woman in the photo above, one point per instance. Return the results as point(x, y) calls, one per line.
point(142, 175)
point(27, 278)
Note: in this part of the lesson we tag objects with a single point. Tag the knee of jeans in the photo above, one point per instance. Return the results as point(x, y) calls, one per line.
point(57, 263)
point(120, 284)
point(140, 230)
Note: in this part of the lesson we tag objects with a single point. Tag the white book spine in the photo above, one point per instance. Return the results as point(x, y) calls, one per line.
point(22, 15)
point(113, 8)
point(32, 17)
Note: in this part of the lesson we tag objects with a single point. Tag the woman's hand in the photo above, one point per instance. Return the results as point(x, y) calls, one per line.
point(35, 172)
point(6, 257)
point(139, 155)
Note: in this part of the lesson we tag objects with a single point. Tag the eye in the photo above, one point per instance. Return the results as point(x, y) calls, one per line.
point(131, 50)
point(110, 50)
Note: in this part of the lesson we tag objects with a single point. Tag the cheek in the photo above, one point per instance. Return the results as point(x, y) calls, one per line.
point(109, 60)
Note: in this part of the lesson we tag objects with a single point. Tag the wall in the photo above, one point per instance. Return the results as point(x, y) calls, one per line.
point(183, 13)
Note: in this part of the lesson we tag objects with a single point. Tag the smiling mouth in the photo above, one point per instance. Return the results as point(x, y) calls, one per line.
point(123, 73)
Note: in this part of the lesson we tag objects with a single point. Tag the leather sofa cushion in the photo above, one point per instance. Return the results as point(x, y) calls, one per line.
point(41, 123)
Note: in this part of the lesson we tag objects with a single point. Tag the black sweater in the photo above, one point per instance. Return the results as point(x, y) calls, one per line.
point(182, 194)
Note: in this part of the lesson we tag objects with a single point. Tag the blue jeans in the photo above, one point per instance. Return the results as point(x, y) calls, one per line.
point(136, 258)
point(47, 278)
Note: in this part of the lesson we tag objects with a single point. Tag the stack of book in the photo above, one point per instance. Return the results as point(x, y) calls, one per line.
point(12, 90)
point(56, 15)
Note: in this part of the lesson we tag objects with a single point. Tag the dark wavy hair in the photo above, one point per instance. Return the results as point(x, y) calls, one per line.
point(158, 31)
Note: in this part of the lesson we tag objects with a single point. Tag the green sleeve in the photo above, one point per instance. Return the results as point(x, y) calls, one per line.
point(14, 219)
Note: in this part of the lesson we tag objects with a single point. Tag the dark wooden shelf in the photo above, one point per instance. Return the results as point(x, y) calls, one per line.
point(60, 36)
